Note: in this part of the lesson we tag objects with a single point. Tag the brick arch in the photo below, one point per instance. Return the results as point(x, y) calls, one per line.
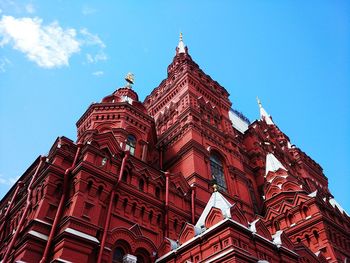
point(271, 191)
point(213, 149)
point(147, 244)
point(278, 180)
point(290, 186)
point(123, 234)
point(104, 127)
point(135, 242)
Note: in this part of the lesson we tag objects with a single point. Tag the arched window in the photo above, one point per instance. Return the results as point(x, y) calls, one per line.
point(121, 249)
point(131, 144)
point(118, 255)
point(142, 255)
point(217, 169)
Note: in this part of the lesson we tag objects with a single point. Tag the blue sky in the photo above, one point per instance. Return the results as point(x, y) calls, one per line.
point(56, 57)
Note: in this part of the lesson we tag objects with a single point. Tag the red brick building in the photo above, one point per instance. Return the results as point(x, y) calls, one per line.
point(180, 177)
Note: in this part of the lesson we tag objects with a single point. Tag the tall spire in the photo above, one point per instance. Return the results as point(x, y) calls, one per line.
point(181, 45)
point(263, 114)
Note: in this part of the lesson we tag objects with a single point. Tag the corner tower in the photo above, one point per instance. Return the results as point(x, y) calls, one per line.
point(122, 114)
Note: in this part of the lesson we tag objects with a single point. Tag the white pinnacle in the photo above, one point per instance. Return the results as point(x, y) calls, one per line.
point(181, 45)
point(264, 115)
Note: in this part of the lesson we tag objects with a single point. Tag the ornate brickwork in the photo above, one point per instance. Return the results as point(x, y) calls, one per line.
point(136, 186)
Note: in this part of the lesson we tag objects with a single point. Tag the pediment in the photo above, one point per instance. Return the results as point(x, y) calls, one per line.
point(167, 246)
point(238, 216)
point(286, 242)
point(261, 229)
point(214, 216)
point(106, 141)
point(188, 232)
point(136, 230)
point(180, 182)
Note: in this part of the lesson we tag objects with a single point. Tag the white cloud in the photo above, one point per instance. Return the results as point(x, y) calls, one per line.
point(47, 45)
point(87, 10)
point(8, 180)
point(100, 56)
point(4, 63)
point(98, 73)
point(30, 8)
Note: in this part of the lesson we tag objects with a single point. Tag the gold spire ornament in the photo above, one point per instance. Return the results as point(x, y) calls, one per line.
point(215, 187)
point(130, 78)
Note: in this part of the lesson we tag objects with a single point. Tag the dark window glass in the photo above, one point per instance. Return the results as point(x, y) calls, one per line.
point(131, 144)
point(118, 255)
point(141, 185)
point(217, 170)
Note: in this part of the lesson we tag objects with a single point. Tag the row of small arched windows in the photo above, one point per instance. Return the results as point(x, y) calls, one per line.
point(125, 204)
point(141, 185)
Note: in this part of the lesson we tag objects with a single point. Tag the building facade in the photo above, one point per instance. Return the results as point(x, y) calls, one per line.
point(180, 177)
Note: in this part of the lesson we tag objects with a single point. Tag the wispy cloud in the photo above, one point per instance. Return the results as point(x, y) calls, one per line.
point(11, 6)
point(87, 10)
point(8, 180)
point(49, 46)
point(91, 39)
point(100, 56)
point(30, 8)
point(98, 73)
point(4, 63)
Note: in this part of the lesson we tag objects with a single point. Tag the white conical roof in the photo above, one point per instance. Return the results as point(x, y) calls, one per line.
point(264, 115)
point(216, 200)
point(181, 45)
point(272, 164)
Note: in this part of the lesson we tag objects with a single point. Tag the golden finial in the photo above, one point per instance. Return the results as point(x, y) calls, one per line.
point(180, 36)
point(259, 102)
point(130, 78)
point(215, 187)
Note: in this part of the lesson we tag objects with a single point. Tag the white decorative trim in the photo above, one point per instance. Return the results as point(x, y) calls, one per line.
point(62, 260)
point(81, 234)
point(38, 235)
point(43, 222)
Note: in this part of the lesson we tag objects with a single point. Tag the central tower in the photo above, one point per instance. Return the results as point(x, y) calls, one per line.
point(195, 134)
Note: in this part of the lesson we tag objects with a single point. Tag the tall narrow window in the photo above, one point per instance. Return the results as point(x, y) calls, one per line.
point(252, 195)
point(217, 170)
point(141, 185)
point(131, 144)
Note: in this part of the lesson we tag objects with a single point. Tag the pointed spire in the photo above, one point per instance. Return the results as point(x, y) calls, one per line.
point(181, 45)
point(273, 164)
point(263, 114)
